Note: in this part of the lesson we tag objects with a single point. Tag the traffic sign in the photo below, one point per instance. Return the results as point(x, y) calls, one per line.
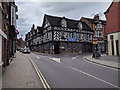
point(95, 40)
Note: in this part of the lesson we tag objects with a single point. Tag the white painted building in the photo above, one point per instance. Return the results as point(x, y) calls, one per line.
point(114, 43)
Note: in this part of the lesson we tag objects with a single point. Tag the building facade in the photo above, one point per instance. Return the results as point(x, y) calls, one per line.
point(98, 26)
point(8, 18)
point(113, 28)
point(20, 43)
point(60, 35)
point(2, 35)
point(4, 23)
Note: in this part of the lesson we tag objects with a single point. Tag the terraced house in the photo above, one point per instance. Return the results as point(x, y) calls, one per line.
point(8, 19)
point(60, 35)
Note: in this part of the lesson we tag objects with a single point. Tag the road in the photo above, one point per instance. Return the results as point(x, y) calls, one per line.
point(72, 71)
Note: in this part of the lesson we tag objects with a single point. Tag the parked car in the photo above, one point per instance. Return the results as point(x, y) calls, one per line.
point(18, 49)
point(21, 50)
point(26, 50)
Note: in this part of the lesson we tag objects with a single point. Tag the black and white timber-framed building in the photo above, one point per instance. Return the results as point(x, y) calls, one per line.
point(60, 35)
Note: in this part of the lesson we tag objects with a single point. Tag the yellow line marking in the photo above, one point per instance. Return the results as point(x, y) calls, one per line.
point(43, 80)
point(38, 74)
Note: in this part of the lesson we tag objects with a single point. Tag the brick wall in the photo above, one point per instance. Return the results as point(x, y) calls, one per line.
point(112, 18)
point(4, 24)
point(119, 16)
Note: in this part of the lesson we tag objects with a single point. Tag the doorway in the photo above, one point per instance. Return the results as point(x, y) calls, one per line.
point(117, 47)
point(112, 46)
point(57, 48)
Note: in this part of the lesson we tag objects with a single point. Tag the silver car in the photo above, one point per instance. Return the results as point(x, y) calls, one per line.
point(26, 50)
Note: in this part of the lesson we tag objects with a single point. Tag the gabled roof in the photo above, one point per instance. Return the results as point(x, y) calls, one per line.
point(94, 21)
point(114, 1)
point(108, 8)
point(56, 21)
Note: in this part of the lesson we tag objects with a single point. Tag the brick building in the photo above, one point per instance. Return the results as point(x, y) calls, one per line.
point(8, 26)
point(2, 35)
point(113, 28)
point(20, 43)
point(4, 24)
point(98, 26)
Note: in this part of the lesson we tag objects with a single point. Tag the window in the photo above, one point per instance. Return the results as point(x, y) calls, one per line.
point(63, 23)
point(80, 25)
point(99, 33)
point(99, 25)
point(13, 16)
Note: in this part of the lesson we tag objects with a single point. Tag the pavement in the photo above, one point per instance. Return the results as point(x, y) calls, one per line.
point(106, 60)
point(20, 74)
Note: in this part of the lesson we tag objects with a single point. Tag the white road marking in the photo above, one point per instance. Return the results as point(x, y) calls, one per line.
point(55, 59)
point(74, 57)
point(37, 57)
point(94, 77)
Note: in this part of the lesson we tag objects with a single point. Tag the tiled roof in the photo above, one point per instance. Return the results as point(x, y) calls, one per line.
point(94, 21)
point(56, 21)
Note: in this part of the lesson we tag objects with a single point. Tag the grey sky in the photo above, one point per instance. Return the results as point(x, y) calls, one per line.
point(33, 12)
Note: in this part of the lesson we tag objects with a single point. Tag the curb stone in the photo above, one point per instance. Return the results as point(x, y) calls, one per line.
point(88, 59)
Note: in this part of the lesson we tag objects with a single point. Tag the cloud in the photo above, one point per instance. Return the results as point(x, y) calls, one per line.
point(33, 12)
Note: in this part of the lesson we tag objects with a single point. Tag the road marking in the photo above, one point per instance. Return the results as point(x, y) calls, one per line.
point(101, 65)
point(37, 57)
point(55, 59)
point(94, 77)
point(41, 77)
point(75, 57)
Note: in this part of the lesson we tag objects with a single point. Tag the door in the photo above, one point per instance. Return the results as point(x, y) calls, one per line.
point(112, 46)
point(57, 48)
point(117, 47)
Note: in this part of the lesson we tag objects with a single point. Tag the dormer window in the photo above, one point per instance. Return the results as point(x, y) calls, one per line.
point(99, 25)
point(80, 25)
point(63, 23)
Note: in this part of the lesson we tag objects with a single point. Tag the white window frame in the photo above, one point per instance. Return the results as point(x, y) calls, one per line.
point(13, 16)
point(63, 23)
point(2, 34)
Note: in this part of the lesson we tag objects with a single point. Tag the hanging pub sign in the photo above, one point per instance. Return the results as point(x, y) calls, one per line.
point(17, 32)
point(95, 40)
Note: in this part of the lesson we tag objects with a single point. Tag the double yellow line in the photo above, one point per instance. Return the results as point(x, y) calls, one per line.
point(41, 77)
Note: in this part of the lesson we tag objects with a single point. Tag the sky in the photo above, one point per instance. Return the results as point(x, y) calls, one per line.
point(30, 13)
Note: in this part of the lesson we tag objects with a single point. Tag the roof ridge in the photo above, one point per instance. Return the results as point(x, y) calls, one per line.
point(93, 19)
point(61, 17)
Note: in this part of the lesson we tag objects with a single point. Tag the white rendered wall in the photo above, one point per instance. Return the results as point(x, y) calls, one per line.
point(116, 36)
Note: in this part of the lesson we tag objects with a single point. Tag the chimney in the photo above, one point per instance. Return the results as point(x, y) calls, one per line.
point(33, 27)
point(96, 17)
